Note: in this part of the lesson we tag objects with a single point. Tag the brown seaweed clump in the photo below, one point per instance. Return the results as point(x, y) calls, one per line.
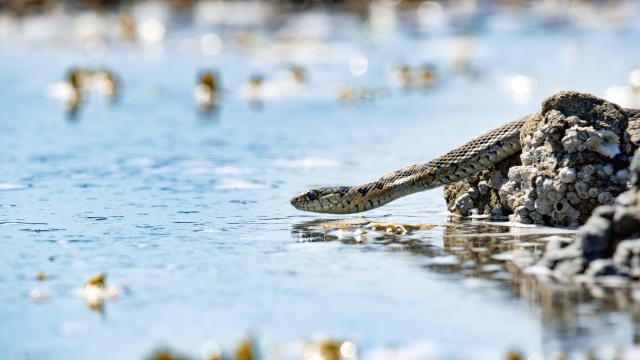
point(96, 292)
point(166, 354)
point(246, 350)
point(574, 158)
point(330, 350)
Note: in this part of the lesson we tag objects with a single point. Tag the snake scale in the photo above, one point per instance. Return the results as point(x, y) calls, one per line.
point(470, 158)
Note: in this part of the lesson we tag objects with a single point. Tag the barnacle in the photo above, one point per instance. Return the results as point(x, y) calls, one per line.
point(609, 248)
point(568, 163)
point(571, 159)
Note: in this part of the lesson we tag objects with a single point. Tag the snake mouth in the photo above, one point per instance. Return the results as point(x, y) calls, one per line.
point(322, 200)
point(298, 202)
point(305, 202)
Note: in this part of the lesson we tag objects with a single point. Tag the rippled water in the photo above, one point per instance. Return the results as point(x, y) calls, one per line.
point(189, 215)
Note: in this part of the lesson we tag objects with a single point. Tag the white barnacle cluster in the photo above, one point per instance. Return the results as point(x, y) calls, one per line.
point(608, 248)
point(566, 172)
point(478, 194)
point(469, 203)
point(464, 203)
point(605, 142)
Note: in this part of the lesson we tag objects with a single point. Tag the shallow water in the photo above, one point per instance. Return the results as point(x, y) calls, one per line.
point(189, 215)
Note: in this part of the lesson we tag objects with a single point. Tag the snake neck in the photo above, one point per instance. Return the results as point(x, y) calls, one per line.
point(479, 154)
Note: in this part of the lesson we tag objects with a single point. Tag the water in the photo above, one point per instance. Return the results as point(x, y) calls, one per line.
point(189, 215)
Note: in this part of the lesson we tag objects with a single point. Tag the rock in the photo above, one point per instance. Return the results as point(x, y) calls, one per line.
point(601, 267)
point(632, 135)
point(480, 191)
point(563, 257)
point(604, 211)
point(596, 239)
point(627, 258)
point(567, 175)
point(570, 151)
point(634, 168)
point(575, 157)
point(464, 204)
point(626, 222)
point(610, 241)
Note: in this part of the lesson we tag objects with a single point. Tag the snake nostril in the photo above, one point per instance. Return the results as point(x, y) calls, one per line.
point(312, 195)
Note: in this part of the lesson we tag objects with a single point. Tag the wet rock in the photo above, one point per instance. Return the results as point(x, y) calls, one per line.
point(601, 267)
point(464, 204)
point(610, 241)
point(596, 239)
point(563, 257)
point(575, 156)
point(626, 222)
point(627, 258)
point(570, 152)
point(632, 135)
point(635, 168)
point(479, 193)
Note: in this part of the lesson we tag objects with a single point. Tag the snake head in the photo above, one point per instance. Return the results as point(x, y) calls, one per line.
point(333, 200)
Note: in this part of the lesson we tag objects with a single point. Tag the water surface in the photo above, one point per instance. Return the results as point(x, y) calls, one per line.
point(189, 215)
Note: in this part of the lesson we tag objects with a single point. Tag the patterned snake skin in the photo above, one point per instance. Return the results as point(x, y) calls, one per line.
point(476, 155)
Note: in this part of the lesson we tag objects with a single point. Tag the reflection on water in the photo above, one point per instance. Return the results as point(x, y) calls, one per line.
point(574, 316)
point(351, 232)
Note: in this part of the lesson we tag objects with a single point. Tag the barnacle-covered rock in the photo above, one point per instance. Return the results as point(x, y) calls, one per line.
point(610, 240)
point(574, 152)
point(632, 135)
point(478, 193)
point(626, 259)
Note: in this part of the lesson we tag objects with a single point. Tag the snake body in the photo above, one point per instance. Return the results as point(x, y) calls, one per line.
point(478, 154)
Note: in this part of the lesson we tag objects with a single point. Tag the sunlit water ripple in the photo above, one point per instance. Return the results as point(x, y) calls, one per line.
point(190, 217)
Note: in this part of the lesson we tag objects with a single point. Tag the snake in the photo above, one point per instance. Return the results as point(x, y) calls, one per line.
point(476, 155)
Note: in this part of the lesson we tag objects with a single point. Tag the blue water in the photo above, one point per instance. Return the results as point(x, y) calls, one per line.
point(189, 216)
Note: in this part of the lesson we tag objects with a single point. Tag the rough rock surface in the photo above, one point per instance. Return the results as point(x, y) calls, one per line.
point(573, 160)
point(575, 156)
point(610, 241)
point(479, 194)
point(632, 135)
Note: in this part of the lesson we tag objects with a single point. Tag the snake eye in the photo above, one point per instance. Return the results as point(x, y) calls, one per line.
point(312, 195)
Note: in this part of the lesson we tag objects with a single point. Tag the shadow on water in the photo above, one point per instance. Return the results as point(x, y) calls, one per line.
point(576, 318)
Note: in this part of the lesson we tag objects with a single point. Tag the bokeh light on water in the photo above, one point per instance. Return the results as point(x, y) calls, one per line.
point(159, 143)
